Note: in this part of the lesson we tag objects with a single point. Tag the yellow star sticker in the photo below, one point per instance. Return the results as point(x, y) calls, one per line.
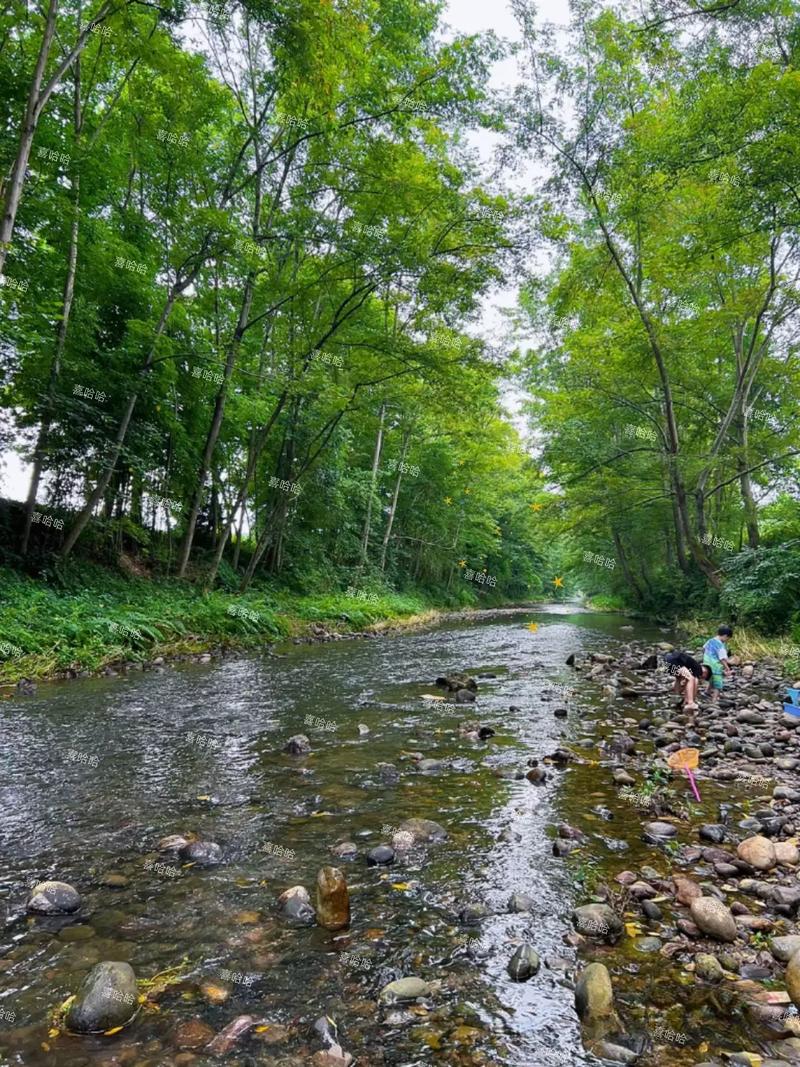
point(533, 627)
point(462, 563)
point(535, 507)
point(558, 582)
point(448, 500)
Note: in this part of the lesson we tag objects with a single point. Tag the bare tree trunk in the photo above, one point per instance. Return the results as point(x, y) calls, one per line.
point(630, 578)
point(63, 326)
point(216, 424)
point(376, 458)
point(393, 507)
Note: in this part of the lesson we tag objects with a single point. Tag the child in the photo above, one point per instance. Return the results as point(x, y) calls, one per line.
point(688, 675)
point(715, 656)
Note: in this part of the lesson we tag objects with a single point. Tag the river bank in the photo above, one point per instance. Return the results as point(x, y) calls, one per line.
point(686, 939)
point(106, 623)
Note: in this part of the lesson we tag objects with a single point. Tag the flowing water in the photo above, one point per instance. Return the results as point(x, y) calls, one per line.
point(95, 772)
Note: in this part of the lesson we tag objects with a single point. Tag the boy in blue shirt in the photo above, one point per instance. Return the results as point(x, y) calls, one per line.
point(715, 657)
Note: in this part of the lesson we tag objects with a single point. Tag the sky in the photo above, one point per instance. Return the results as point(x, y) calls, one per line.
point(462, 16)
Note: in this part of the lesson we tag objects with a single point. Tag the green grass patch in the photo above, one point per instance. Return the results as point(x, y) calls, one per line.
point(86, 617)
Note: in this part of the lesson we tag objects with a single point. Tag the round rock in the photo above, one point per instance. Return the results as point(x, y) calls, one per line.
point(54, 898)
point(107, 998)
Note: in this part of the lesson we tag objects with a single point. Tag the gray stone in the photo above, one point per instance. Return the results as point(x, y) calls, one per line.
point(299, 745)
point(202, 853)
point(598, 920)
point(424, 830)
point(107, 998)
point(524, 964)
point(54, 898)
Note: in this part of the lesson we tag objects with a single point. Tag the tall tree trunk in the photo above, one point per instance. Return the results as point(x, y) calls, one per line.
point(630, 577)
point(216, 424)
point(393, 506)
point(38, 96)
point(746, 487)
point(63, 326)
point(376, 458)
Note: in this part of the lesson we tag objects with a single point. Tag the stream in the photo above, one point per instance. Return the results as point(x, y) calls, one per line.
point(96, 771)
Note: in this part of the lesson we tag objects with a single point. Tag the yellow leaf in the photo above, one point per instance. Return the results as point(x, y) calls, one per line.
point(401, 885)
point(53, 1032)
point(113, 1030)
point(45, 1046)
point(632, 929)
point(261, 1029)
point(204, 798)
point(142, 998)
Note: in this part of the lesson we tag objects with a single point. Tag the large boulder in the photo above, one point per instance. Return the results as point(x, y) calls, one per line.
point(713, 918)
point(333, 899)
point(758, 852)
point(107, 998)
point(54, 898)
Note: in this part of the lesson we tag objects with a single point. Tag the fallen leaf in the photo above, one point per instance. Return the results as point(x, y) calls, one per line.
point(53, 1032)
point(261, 1029)
point(401, 885)
point(113, 1030)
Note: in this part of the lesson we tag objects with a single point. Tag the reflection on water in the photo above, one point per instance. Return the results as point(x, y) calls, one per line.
point(200, 749)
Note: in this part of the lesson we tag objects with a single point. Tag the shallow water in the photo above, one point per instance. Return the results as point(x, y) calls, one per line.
point(67, 819)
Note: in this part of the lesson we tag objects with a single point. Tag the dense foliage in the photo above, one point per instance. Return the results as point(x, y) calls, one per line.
point(241, 267)
point(664, 387)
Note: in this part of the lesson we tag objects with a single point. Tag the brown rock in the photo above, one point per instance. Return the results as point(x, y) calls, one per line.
point(758, 852)
point(231, 1035)
point(192, 1033)
point(686, 890)
point(713, 918)
point(787, 853)
point(333, 899)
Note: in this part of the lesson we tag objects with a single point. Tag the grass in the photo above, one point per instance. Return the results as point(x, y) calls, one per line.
point(606, 602)
point(85, 619)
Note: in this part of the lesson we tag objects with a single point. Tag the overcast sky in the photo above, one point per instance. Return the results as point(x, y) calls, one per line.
point(462, 16)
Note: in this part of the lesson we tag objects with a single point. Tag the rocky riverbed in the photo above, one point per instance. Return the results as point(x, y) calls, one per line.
point(693, 926)
point(451, 847)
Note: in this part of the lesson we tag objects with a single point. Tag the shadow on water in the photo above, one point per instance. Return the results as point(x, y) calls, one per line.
point(200, 749)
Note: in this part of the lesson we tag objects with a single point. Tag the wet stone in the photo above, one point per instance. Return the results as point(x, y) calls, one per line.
point(54, 898)
point(524, 964)
point(382, 854)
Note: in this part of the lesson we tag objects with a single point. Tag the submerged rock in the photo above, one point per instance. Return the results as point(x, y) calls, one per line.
point(299, 745)
point(524, 964)
point(333, 899)
point(231, 1035)
point(521, 902)
point(379, 855)
point(54, 898)
point(107, 998)
point(422, 831)
point(202, 853)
